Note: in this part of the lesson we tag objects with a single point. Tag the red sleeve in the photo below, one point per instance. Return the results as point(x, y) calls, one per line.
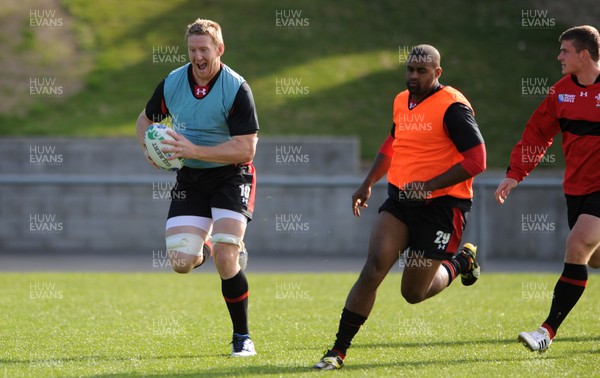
point(386, 148)
point(539, 132)
point(474, 160)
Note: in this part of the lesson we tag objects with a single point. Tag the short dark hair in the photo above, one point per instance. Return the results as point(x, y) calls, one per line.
point(584, 37)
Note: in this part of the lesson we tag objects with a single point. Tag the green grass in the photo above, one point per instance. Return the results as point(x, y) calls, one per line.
point(347, 57)
point(156, 324)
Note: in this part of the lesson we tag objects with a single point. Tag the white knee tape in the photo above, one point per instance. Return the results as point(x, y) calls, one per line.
point(190, 244)
point(228, 239)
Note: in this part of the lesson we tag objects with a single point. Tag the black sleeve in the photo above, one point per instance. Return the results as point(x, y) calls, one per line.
point(242, 118)
point(462, 127)
point(156, 109)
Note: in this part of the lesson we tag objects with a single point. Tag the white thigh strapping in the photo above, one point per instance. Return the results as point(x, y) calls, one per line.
point(228, 239)
point(189, 244)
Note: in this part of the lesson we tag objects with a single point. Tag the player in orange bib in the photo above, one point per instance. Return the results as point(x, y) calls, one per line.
point(430, 157)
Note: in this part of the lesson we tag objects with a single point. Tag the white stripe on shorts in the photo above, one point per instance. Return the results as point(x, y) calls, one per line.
point(190, 220)
point(224, 213)
point(203, 222)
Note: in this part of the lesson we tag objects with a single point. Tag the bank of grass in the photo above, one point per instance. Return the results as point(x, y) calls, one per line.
point(345, 61)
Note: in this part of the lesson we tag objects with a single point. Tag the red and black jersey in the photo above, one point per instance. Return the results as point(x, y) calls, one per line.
point(574, 110)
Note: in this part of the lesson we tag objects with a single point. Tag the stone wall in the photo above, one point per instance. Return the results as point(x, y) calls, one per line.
point(99, 196)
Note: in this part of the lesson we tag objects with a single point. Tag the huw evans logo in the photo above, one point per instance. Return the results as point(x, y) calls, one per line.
point(291, 87)
point(45, 87)
point(44, 18)
point(290, 155)
point(290, 223)
point(290, 290)
point(414, 122)
point(290, 19)
point(536, 87)
point(167, 55)
point(44, 290)
point(44, 155)
point(45, 224)
point(536, 291)
point(536, 155)
point(536, 19)
point(537, 223)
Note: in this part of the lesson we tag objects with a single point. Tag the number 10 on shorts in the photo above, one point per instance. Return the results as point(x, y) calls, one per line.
point(245, 192)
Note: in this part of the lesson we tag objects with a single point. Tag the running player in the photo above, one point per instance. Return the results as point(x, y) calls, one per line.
point(571, 107)
point(213, 112)
point(434, 151)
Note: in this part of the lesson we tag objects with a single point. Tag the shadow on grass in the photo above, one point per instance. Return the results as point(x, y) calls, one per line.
point(54, 361)
point(282, 369)
point(195, 370)
point(300, 365)
point(442, 343)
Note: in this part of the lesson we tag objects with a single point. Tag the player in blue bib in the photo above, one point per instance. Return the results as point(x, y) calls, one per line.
point(213, 116)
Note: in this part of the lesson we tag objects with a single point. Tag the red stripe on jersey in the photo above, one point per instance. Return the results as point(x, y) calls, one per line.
point(582, 283)
point(163, 107)
point(238, 299)
point(457, 224)
point(573, 110)
point(251, 199)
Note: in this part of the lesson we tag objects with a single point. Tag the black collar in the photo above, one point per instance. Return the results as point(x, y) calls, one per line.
point(574, 78)
point(200, 91)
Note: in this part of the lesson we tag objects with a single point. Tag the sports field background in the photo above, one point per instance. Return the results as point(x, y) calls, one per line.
point(83, 68)
point(94, 324)
point(343, 61)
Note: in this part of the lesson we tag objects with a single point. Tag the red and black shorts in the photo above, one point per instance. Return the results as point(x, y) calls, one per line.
point(231, 187)
point(584, 204)
point(434, 230)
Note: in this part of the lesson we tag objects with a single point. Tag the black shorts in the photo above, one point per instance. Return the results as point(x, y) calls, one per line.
point(231, 187)
point(434, 230)
point(585, 204)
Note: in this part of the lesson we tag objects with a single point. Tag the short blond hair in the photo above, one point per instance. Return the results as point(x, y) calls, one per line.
point(205, 27)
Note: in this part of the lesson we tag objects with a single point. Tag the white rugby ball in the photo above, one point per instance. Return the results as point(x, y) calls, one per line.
point(155, 134)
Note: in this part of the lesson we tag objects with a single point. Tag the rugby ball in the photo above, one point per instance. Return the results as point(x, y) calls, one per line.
point(155, 134)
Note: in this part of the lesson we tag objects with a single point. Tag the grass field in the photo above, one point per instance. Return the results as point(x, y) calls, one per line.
point(349, 64)
point(156, 324)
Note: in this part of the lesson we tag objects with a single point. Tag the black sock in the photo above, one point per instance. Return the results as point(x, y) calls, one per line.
point(456, 265)
point(350, 323)
point(235, 293)
point(453, 269)
point(568, 290)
